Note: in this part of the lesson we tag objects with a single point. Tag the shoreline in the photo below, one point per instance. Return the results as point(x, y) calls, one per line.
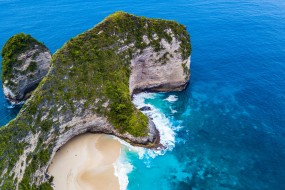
point(86, 162)
point(80, 163)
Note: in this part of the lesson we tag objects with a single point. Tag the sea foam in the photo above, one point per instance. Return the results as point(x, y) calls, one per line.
point(171, 98)
point(122, 169)
point(12, 105)
point(167, 138)
point(162, 123)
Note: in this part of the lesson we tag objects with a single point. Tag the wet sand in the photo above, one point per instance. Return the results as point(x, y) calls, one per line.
point(86, 163)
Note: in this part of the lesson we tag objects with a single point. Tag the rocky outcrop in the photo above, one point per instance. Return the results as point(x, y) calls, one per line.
point(88, 89)
point(145, 108)
point(25, 63)
point(166, 70)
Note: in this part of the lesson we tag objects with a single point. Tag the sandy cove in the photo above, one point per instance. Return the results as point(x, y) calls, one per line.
point(86, 163)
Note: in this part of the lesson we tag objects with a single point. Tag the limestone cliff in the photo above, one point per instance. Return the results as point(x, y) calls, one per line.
point(165, 70)
point(25, 62)
point(88, 89)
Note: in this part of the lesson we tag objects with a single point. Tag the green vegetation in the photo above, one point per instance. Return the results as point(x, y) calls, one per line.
point(32, 67)
point(164, 58)
point(88, 74)
point(16, 45)
point(185, 69)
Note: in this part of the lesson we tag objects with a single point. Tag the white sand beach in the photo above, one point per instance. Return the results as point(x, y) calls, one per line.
point(86, 163)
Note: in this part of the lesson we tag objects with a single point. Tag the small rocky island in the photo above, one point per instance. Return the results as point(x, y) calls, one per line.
point(25, 62)
point(89, 88)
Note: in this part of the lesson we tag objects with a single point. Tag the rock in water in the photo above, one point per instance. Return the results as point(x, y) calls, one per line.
point(145, 108)
point(25, 62)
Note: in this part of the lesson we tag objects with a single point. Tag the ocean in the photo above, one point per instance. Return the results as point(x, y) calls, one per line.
point(226, 130)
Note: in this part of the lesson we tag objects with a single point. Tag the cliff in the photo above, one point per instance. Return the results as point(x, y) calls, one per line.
point(25, 62)
point(88, 89)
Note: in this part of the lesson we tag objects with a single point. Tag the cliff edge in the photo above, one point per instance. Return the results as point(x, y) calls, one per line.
point(25, 62)
point(88, 89)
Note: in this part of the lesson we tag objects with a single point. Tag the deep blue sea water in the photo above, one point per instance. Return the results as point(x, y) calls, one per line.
point(229, 123)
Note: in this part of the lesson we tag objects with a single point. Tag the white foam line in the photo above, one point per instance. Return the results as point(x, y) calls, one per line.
point(172, 110)
point(162, 123)
point(167, 138)
point(122, 169)
point(171, 98)
point(13, 104)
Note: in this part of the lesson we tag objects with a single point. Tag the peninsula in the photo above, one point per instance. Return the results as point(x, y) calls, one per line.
point(88, 88)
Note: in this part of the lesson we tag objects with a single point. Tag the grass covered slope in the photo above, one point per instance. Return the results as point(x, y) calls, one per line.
point(89, 75)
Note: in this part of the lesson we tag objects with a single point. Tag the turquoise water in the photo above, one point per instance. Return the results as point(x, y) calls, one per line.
point(229, 123)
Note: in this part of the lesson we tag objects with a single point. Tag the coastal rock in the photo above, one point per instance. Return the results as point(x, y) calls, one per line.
point(166, 70)
point(145, 108)
point(25, 62)
point(88, 89)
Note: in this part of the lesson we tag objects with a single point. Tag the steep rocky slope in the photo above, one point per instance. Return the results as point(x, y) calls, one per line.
point(88, 89)
point(25, 62)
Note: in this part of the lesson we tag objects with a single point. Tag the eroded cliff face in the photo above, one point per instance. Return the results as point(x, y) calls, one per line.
point(88, 88)
point(67, 129)
point(25, 62)
point(161, 71)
